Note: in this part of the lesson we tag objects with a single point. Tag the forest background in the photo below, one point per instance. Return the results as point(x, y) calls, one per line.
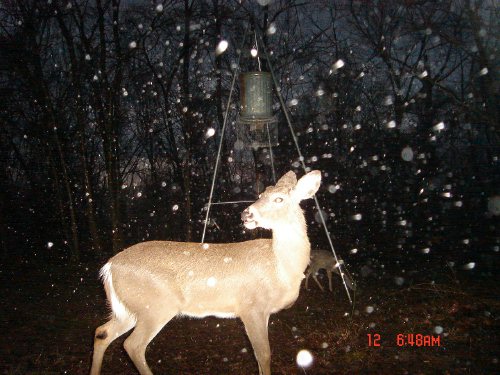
point(111, 114)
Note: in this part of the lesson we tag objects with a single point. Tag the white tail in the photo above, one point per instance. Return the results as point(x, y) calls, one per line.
point(322, 259)
point(150, 283)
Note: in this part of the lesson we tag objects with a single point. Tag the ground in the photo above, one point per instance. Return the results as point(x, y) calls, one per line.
point(50, 312)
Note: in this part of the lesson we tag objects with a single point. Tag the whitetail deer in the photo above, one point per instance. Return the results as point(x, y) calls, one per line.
point(150, 283)
point(322, 259)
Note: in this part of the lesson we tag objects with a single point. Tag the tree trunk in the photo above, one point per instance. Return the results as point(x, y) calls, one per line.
point(186, 164)
point(75, 248)
point(89, 195)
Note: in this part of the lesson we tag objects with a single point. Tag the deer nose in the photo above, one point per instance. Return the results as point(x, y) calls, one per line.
point(246, 215)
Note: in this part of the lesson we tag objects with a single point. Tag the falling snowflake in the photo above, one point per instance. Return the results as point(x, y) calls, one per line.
point(469, 266)
point(271, 29)
point(407, 153)
point(357, 217)
point(338, 64)
point(221, 47)
point(211, 281)
point(439, 126)
point(304, 358)
point(210, 132)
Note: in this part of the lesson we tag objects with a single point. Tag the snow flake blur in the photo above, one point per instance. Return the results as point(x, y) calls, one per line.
point(304, 358)
point(221, 47)
point(112, 118)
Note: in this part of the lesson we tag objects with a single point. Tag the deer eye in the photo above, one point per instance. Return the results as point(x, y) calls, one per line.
point(278, 200)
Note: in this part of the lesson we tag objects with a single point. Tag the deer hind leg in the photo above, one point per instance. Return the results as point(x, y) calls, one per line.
point(256, 328)
point(105, 335)
point(317, 281)
point(307, 280)
point(149, 322)
point(135, 345)
point(329, 274)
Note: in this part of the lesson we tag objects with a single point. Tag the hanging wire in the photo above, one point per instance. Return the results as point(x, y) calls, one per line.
point(209, 204)
point(271, 152)
point(230, 202)
point(257, 49)
point(301, 159)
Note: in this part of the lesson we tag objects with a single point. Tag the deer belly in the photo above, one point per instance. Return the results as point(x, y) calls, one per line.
point(200, 303)
point(203, 314)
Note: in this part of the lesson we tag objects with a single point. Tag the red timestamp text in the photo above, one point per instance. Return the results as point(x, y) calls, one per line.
point(407, 339)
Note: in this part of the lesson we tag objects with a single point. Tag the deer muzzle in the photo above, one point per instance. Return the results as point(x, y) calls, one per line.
point(248, 219)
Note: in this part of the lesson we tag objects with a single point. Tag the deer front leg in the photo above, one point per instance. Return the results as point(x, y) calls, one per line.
point(317, 282)
point(256, 328)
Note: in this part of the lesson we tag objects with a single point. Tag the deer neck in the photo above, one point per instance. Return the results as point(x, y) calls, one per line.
point(292, 250)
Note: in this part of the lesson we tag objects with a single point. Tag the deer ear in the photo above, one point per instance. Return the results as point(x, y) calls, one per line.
point(307, 186)
point(288, 180)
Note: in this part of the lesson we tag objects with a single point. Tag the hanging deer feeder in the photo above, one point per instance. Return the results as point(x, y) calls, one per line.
point(256, 123)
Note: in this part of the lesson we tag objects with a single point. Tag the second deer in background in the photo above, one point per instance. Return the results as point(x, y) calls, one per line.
point(323, 259)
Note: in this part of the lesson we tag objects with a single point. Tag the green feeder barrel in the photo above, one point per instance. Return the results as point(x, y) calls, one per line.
point(256, 97)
